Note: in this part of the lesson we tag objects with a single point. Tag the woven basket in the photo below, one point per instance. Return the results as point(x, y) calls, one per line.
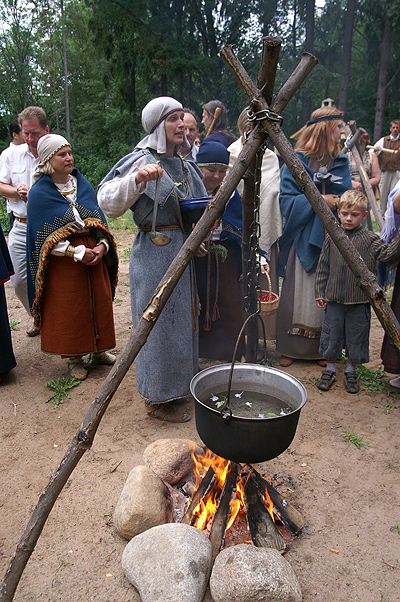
point(270, 306)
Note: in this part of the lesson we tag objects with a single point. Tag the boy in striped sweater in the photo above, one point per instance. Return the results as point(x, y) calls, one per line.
point(347, 311)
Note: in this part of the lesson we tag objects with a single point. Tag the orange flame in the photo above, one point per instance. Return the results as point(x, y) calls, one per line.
point(206, 508)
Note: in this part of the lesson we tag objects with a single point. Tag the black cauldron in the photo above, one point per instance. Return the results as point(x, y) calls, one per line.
point(240, 439)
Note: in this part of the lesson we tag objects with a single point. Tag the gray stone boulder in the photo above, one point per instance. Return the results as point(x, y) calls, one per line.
point(171, 459)
point(169, 563)
point(244, 572)
point(145, 502)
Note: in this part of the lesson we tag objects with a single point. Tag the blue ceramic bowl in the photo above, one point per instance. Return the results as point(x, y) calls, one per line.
point(192, 210)
point(201, 203)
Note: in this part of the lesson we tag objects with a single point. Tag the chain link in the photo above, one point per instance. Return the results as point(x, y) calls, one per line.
point(264, 114)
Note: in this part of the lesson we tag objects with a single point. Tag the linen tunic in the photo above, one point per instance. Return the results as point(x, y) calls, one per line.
point(167, 362)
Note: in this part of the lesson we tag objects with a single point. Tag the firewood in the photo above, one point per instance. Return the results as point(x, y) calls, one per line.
point(189, 516)
point(287, 513)
point(221, 516)
point(264, 533)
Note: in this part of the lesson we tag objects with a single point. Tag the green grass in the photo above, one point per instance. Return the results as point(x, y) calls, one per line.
point(60, 386)
point(352, 437)
point(396, 528)
point(125, 222)
point(373, 380)
point(14, 324)
point(4, 220)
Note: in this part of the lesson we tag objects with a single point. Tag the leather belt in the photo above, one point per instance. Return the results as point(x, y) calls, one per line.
point(148, 228)
point(23, 220)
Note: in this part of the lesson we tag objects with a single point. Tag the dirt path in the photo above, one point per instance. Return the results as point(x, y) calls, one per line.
point(348, 551)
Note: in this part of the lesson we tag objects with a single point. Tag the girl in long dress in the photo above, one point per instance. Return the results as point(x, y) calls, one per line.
point(299, 320)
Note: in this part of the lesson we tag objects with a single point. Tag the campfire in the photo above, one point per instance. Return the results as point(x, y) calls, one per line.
point(227, 493)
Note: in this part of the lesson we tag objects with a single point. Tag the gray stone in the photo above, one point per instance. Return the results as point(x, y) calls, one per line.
point(169, 563)
point(145, 502)
point(244, 572)
point(171, 458)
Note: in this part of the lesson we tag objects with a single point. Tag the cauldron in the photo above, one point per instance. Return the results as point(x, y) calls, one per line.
point(242, 439)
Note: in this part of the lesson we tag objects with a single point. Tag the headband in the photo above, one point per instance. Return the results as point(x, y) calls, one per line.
point(163, 119)
point(324, 118)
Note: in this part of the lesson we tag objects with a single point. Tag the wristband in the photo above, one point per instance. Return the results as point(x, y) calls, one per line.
point(70, 251)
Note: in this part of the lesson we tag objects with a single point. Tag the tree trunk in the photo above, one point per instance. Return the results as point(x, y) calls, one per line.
point(308, 47)
point(346, 61)
point(67, 124)
point(385, 48)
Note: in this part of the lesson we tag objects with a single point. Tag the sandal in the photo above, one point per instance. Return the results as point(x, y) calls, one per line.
point(167, 412)
point(351, 382)
point(76, 369)
point(321, 363)
point(105, 358)
point(327, 379)
point(33, 330)
point(285, 361)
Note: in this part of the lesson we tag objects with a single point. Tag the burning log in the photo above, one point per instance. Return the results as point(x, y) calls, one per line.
point(264, 533)
point(221, 515)
point(288, 514)
point(189, 515)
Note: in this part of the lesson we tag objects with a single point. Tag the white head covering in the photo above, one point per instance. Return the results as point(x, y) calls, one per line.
point(153, 116)
point(47, 146)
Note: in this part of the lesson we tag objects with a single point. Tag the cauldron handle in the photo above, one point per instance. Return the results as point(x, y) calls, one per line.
point(226, 412)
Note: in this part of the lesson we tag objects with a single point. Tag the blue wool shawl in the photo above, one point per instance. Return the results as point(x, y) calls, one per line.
point(301, 226)
point(50, 220)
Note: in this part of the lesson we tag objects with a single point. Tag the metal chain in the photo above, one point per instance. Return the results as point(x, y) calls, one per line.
point(264, 114)
point(253, 265)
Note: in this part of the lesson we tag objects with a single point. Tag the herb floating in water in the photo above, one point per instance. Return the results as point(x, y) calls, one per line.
point(218, 402)
point(217, 249)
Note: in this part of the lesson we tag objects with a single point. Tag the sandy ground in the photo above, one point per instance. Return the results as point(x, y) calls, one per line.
point(348, 550)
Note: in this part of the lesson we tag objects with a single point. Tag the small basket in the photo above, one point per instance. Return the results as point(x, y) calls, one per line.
point(271, 305)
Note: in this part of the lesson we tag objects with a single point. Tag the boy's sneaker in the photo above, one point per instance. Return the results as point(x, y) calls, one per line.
point(327, 379)
point(351, 382)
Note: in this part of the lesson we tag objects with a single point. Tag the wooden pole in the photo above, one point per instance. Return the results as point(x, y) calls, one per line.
point(266, 81)
point(365, 180)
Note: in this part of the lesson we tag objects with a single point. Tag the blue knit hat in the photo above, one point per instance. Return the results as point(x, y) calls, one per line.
point(212, 153)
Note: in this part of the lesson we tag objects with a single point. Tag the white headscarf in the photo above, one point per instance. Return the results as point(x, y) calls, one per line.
point(153, 116)
point(47, 147)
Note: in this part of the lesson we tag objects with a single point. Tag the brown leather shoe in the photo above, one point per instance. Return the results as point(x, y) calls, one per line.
point(285, 361)
point(33, 330)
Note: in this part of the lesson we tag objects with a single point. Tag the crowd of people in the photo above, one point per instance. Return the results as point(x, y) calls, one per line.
point(63, 264)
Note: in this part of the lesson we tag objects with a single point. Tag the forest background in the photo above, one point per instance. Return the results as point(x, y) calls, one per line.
point(93, 64)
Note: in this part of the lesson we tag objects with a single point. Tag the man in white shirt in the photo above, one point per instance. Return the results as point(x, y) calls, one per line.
point(15, 180)
point(191, 122)
point(390, 162)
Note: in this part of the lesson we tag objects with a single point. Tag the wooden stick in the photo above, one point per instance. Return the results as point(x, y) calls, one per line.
point(286, 512)
point(268, 66)
point(264, 533)
point(198, 495)
point(364, 177)
point(266, 81)
point(216, 115)
point(222, 513)
point(383, 149)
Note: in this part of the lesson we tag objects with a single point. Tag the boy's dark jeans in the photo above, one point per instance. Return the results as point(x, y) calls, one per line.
point(346, 326)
